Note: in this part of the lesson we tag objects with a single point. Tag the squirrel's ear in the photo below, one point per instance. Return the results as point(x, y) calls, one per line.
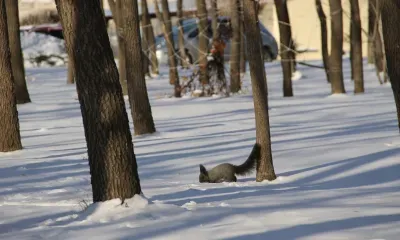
point(203, 169)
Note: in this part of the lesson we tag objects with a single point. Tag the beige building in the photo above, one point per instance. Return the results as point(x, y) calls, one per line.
point(306, 26)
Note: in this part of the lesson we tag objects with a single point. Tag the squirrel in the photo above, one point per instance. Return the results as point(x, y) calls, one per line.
point(225, 172)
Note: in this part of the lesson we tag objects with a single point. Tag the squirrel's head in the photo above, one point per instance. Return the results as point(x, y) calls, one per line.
point(203, 177)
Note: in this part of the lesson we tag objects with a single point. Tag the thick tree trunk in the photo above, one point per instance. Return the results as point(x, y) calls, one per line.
point(336, 60)
point(214, 19)
point(150, 38)
point(115, 6)
point(17, 61)
point(203, 40)
point(324, 37)
point(235, 47)
point(265, 167)
point(181, 39)
point(10, 139)
point(112, 161)
point(285, 34)
point(139, 101)
point(391, 35)
point(356, 47)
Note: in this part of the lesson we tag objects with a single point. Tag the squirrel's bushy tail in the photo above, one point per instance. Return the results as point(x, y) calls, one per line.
point(249, 165)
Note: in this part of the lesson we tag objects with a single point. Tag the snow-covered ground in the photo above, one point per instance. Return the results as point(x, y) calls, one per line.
point(336, 157)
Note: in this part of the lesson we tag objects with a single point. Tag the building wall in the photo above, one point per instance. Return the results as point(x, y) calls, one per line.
point(306, 27)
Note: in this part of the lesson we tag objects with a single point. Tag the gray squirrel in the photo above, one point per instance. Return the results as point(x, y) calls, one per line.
point(225, 172)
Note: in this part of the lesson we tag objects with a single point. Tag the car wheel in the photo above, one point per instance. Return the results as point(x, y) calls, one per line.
point(267, 54)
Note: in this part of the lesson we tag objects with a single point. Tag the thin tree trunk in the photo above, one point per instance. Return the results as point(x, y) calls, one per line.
point(235, 47)
point(181, 39)
point(371, 26)
point(336, 60)
point(145, 55)
point(71, 69)
point(356, 47)
point(375, 37)
point(324, 37)
point(111, 158)
point(214, 19)
point(10, 139)
point(242, 42)
point(165, 20)
point(139, 101)
point(203, 40)
point(150, 38)
point(285, 34)
point(391, 35)
point(115, 6)
point(265, 167)
point(17, 61)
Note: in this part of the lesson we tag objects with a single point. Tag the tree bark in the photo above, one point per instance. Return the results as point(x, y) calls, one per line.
point(139, 101)
point(391, 35)
point(235, 47)
point(265, 168)
point(371, 26)
point(115, 6)
point(285, 34)
point(111, 158)
point(356, 47)
point(71, 69)
point(377, 45)
point(150, 37)
point(181, 39)
point(336, 60)
point(214, 18)
point(242, 44)
point(165, 20)
point(203, 40)
point(17, 61)
point(10, 139)
point(324, 37)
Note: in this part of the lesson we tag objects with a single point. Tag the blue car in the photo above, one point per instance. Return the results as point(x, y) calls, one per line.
point(190, 29)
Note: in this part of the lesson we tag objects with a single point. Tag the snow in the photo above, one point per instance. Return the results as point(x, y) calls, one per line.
point(35, 44)
point(336, 157)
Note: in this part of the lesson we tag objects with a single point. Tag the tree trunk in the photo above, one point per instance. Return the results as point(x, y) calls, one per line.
point(145, 55)
point(242, 45)
point(235, 47)
point(139, 101)
point(115, 6)
point(150, 38)
point(377, 45)
point(356, 47)
point(371, 26)
point(111, 158)
point(165, 20)
point(10, 139)
point(203, 40)
point(324, 37)
point(17, 61)
point(336, 60)
point(181, 39)
point(391, 35)
point(71, 69)
point(265, 168)
point(214, 19)
point(285, 34)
